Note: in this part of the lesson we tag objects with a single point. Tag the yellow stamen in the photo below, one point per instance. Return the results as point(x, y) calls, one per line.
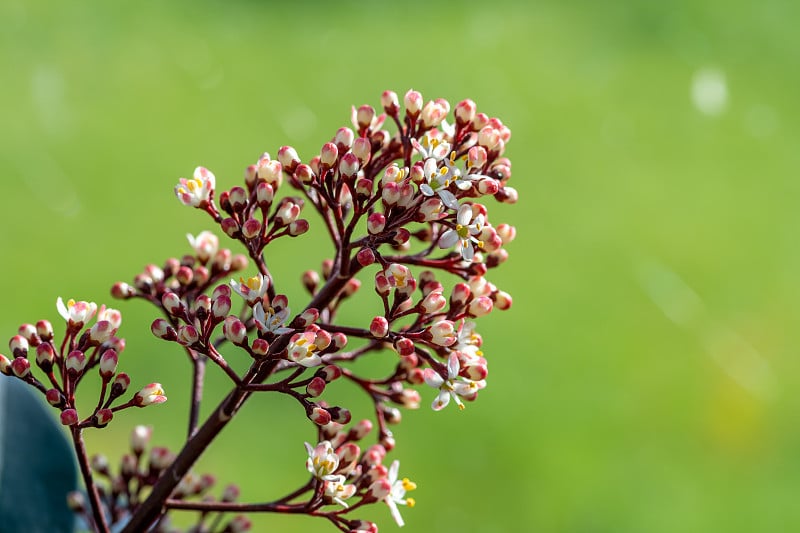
point(254, 283)
point(411, 502)
point(408, 484)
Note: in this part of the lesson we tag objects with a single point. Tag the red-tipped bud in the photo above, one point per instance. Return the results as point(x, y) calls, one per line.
point(460, 294)
point(298, 227)
point(364, 116)
point(108, 364)
point(344, 139)
point(401, 236)
point(480, 306)
point(502, 300)
point(76, 362)
point(184, 275)
point(390, 103)
point(330, 373)
point(319, 415)
point(188, 335)
point(376, 223)
point(230, 227)
point(238, 198)
point(351, 287)
point(221, 307)
point(120, 385)
point(239, 524)
point(45, 330)
point(230, 493)
point(379, 327)
point(327, 268)
point(364, 187)
point(54, 397)
point(122, 291)
point(316, 387)
point(404, 346)
point(5, 365)
point(308, 317)
point(382, 285)
point(361, 429)
point(433, 302)
point(235, 330)
point(20, 367)
point(338, 340)
point(349, 165)
point(288, 158)
point(163, 330)
point(340, 415)
point(251, 228)
point(365, 257)
point(172, 302)
point(379, 490)
point(416, 376)
point(328, 155)
point(45, 355)
point(103, 417)
point(265, 194)
point(304, 174)
point(442, 333)
point(69, 417)
point(260, 347)
point(362, 149)
point(29, 332)
point(465, 112)
point(18, 346)
point(413, 102)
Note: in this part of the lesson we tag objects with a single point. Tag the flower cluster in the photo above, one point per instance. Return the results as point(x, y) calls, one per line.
point(401, 195)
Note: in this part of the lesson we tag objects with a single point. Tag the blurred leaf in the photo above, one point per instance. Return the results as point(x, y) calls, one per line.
point(37, 467)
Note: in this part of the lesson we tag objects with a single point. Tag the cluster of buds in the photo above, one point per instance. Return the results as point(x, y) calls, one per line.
point(66, 362)
point(402, 197)
point(122, 491)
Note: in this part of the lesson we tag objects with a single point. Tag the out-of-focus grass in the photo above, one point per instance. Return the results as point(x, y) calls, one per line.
point(643, 380)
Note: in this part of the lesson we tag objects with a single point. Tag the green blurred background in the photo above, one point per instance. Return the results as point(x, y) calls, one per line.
point(645, 378)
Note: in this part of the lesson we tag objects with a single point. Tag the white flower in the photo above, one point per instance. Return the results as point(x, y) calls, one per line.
point(205, 245)
point(302, 350)
point(76, 313)
point(197, 190)
point(429, 147)
point(464, 233)
point(271, 320)
point(322, 461)
point(397, 494)
point(251, 289)
point(337, 491)
point(436, 182)
point(453, 387)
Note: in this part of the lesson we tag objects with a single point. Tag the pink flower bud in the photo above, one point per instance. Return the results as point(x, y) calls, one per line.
point(140, 438)
point(121, 384)
point(45, 330)
point(434, 112)
point(101, 332)
point(235, 330)
point(480, 306)
point(298, 227)
point(362, 149)
point(349, 165)
point(149, 395)
point(413, 102)
point(265, 194)
point(339, 340)
point(343, 139)
point(390, 103)
point(239, 524)
point(69, 417)
point(364, 187)
point(287, 212)
point(230, 493)
point(184, 275)
point(188, 335)
point(401, 236)
point(103, 417)
point(20, 367)
point(45, 356)
point(28, 331)
point(364, 116)
point(304, 174)
point(480, 121)
point(319, 415)
point(404, 346)
point(288, 158)
point(502, 300)
point(251, 228)
point(221, 307)
point(433, 302)
point(308, 317)
point(376, 222)
point(488, 186)
point(270, 171)
point(465, 112)
point(230, 227)
point(379, 327)
point(330, 373)
point(351, 287)
point(163, 330)
point(260, 347)
point(382, 285)
point(442, 333)
point(379, 490)
point(160, 458)
point(460, 295)
point(76, 362)
point(391, 415)
point(54, 397)
point(340, 415)
point(328, 155)
point(238, 198)
point(108, 364)
point(172, 303)
point(18, 346)
point(316, 387)
point(365, 257)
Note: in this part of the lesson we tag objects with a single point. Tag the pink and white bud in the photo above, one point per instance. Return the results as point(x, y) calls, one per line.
point(328, 155)
point(480, 306)
point(340, 415)
point(188, 335)
point(434, 112)
point(379, 327)
point(351, 287)
point(121, 384)
point(319, 415)
point(140, 438)
point(251, 228)
point(442, 333)
point(349, 165)
point(287, 213)
point(308, 317)
point(163, 330)
point(376, 223)
point(362, 149)
point(298, 227)
point(506, 232)
point(45, 330)
point(270, 172)
point(103, 417)
point(221, 307)
point(234, 330)
point(54, 397)
point(338, 340)
point(101, 331)
point(365, 257)
point(413, 102)
point(160, 458)
point(378, 490)
point(196, 191)
point(184, 275)
point(230, 227)
point(431, 209)
point(363, 116)
point(69, 417)
point(45, 356)
point(172, 302)
point(28, 331)
point(238, 198)
point(149, 395)
point(108, 364)
point(390, 193)
point(327, 268)
point(76, 362)
point(502, 300)
point(239, 524)
point(404, 346)
point(480, 121)
point(265, 194)
point(330, 373)
point(230, 493)
point(465, 112)
point(390, 102)
point(260, 347)
point(401, 236)
point(304, 174)
point(288, 158)
point(488, 186)
point(382, 285)
point(316, 387)
point(18, 346)
point(433, 302)
point(460, 295)
point(310, 280)
point(20, 367)
point(205, 245)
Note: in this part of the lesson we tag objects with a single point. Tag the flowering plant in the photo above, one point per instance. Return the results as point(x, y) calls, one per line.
point(400, 209)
